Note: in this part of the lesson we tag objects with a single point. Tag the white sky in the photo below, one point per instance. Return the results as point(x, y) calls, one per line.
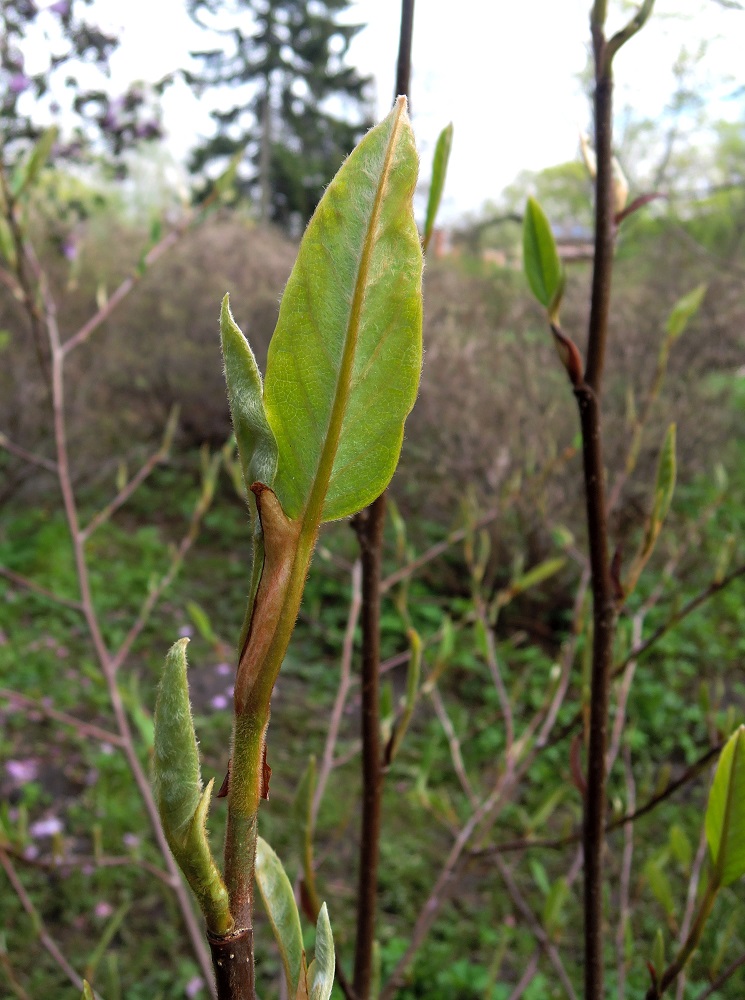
point(506, 73)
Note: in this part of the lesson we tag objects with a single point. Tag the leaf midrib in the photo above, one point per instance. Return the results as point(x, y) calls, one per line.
point(313, 510)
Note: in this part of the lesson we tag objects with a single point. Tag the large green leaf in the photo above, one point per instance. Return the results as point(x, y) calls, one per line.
point(725, 813)
point(437, 185)
point(541, 259)
point(279, 901)
point(344, 361)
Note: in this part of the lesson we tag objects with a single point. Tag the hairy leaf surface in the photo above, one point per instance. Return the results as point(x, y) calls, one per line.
point(344, 361)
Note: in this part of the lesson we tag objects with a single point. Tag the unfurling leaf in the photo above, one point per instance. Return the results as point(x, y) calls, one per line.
point(344, 362)
point(725, 812)
point(665, 482)
point(684, 310)
point(439, 172)
point(323, 966)
point(279, 902)
point(29, 170)
point(256, 445)
point(541, 260)
point(182, 804)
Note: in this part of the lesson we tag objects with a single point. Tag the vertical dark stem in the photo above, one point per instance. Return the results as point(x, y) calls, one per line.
point(232, 960)
point(369, 528)
point(403, 68)
point(604, 611)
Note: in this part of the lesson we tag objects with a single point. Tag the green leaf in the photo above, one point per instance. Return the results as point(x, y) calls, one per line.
point(30, 168)
point(439, 172)
point(680, 846)
point(345, 358)
point(554, 917)
point(225, 184)
point(660, 885)
point(684, 310)
point(177, 783)
point(87, 993)
point(540, 258)
point(256, 445)
point(665, 481)
point(279, 902)
point(725, 812)
point(321, 971)
point(658, 952)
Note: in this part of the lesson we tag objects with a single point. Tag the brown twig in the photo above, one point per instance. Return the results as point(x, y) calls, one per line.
point(42, 933)
point(693, 882)
point(106, 663)
point(721, 980)
point(535, 926)
point(81, 861)
point(27, 456)
point(35, 588)
point(624, 907)
point(81, 727)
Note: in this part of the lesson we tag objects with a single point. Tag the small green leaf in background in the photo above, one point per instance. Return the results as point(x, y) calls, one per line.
point(680, 846)
point(725, 813)
point(256, 445)
point(554, 916)
point(658, 952)
point(660, 885)
point(323, 966)
point(437, 185)
point(684, 310)
point(344, 362)
point(279, 902)
point(28, 171)
point(87, 993)
point(665, 482)
point(540, 258)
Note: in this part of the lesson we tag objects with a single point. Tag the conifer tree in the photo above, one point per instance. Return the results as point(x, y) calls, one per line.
point(295, 105)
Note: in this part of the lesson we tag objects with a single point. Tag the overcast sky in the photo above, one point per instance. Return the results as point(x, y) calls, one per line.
point(505, 73)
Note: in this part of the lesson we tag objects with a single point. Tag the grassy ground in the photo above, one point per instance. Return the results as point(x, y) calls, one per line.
point(119, 923)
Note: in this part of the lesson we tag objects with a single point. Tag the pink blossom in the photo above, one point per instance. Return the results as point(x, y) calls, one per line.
point(48, 827)
point(194, 987)
point(22, 771)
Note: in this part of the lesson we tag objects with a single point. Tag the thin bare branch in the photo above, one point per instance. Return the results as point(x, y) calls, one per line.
point(636, 23)
point(42, 933)
point(345, 677)
point(531, 969)
point(27, 456)
point(693, 882)
point(721, 980)
point(36, 588)
point(536, 928)
point(454, 744)
point(624, 906)
point(80, 727)
point(134, 483)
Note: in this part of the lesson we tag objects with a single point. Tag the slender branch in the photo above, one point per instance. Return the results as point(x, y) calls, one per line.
point(453, 743)
point(36, 588)
point(636, 23)
point(345, 678)
point(531, 970)
point(369, 527)
point(713, 588)
point(496, 676)
point(92, 861)
point(624, 907)
point(27, 456)
point(535, 926)
point(132, 486)
point(80, 727)
point(403, 67)
point(721, 980)
point(42, 933)
point(685, 927)
point(107, 665)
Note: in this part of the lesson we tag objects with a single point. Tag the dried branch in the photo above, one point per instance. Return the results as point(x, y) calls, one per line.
point(27, 456)
point(36, 588)
point(80, 727)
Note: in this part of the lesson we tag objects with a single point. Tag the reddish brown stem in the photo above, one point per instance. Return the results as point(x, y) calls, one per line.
point(369, 528)
point(232, 960)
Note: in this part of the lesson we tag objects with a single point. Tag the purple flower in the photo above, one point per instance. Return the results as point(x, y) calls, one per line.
point(18, 83)
point(186, 632)
point(223, 669)
point(62, 7)
point(219, 702)
point(22, 771)
point(48, 827)
point(103, 910)
point(194, 987)
point(131, 840)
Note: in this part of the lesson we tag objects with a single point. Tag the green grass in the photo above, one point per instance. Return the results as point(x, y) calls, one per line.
point(683, 690)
